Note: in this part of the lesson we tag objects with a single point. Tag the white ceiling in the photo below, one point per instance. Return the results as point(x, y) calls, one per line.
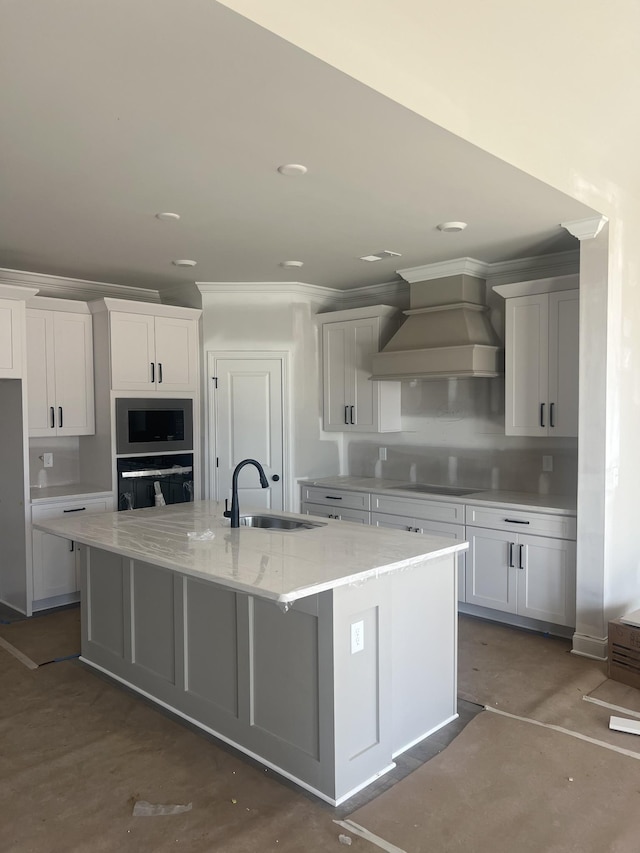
point(114, 111)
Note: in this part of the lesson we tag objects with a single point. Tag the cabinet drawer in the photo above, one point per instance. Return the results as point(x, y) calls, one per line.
point(336, 497)
point(65, 509)
point(340, 513)
point(429, 510)
point(517, 521)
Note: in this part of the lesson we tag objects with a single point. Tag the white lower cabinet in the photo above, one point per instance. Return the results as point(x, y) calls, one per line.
point(55, 569)
point(529, 576)
point(420, 525)
point(360, 516)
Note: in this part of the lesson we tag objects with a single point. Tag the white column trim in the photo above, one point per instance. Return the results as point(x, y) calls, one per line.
point(596, 648)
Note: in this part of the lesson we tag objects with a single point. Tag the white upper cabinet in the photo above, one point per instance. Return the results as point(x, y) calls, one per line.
point(541, 361)
point(60, 371)
point(151, 352)
point(11, 324)
point(352, 402)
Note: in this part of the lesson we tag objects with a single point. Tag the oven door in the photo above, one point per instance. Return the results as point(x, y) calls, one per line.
point(145, 481)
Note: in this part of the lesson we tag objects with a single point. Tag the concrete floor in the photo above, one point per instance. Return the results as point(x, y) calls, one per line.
point(77, 750)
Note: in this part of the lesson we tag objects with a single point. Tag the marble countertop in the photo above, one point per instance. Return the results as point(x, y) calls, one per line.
point(556, 504)
point(68, 490)
point(277, 565)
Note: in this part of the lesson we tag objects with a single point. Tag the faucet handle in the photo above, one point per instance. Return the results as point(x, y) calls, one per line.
point(226, 512)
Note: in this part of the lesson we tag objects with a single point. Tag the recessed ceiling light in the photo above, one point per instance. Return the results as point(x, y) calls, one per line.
point(292, 264)
point(292, 169)
point(451, 227)
point(378, 256)
point(168, 217)
point(184, 263)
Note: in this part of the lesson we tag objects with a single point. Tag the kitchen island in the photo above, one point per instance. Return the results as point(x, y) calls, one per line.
point(322, 652)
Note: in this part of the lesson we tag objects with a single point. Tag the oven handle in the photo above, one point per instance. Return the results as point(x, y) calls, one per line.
point(157, 472)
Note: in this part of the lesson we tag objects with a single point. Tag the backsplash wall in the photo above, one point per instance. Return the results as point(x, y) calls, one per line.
point(453, 434)
point(66, 461)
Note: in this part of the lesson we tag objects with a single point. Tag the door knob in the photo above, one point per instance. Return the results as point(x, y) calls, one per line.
point(275, 478)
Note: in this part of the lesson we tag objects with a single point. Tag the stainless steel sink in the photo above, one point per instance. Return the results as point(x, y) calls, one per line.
point(277, 522)
point(425, 488)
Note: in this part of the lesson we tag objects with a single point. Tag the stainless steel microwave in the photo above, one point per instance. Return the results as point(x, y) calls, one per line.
point(147, 425)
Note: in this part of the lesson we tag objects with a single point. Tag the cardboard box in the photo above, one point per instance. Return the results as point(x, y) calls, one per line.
point(624, 653)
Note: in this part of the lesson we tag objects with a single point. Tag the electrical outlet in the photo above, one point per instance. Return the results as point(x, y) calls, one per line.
point(547, 463)
point(357, 637)
point(382, 454)
point(47, 459)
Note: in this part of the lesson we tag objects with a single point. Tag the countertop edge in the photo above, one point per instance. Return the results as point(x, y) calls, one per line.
point(486, 497)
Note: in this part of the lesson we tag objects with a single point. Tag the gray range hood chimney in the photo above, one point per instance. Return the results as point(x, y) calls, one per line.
point(447, 333)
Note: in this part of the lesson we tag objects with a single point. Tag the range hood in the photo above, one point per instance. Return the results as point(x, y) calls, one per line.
point(447, 333)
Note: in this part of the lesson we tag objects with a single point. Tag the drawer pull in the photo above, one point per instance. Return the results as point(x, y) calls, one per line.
point(332, 498)
point(79, 509)
point(516, 521)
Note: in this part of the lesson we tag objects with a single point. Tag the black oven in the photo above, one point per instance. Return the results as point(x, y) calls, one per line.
point(154, 480)
point(148, 425)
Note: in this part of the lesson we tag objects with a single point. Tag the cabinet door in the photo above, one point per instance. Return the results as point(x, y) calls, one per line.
point(336, 349)
point(176, 354)
point(40, 374)
point(11, 319)
point(457, 532)
point(490, 580)
point(73, 359)
point(132, 352)
point(526, 365)
point(564, 348)
point(547, 579)
point(54, 566)
point(54, 558)
point(364, 342)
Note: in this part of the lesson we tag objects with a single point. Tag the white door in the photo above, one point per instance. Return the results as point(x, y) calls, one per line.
point(491, 575)
point(247, 423)
point(132, 352)
point(176, 354)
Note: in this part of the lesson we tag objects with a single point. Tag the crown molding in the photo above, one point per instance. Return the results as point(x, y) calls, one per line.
point(311, 292)
point(539, 266)
point(12, 291)
point(442, 269)
point(75, 288)
point(585, 229)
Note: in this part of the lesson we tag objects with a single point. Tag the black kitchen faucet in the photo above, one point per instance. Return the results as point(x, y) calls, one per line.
point(234, 512)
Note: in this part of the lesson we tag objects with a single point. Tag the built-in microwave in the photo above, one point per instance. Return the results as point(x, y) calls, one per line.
point(146, 425)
